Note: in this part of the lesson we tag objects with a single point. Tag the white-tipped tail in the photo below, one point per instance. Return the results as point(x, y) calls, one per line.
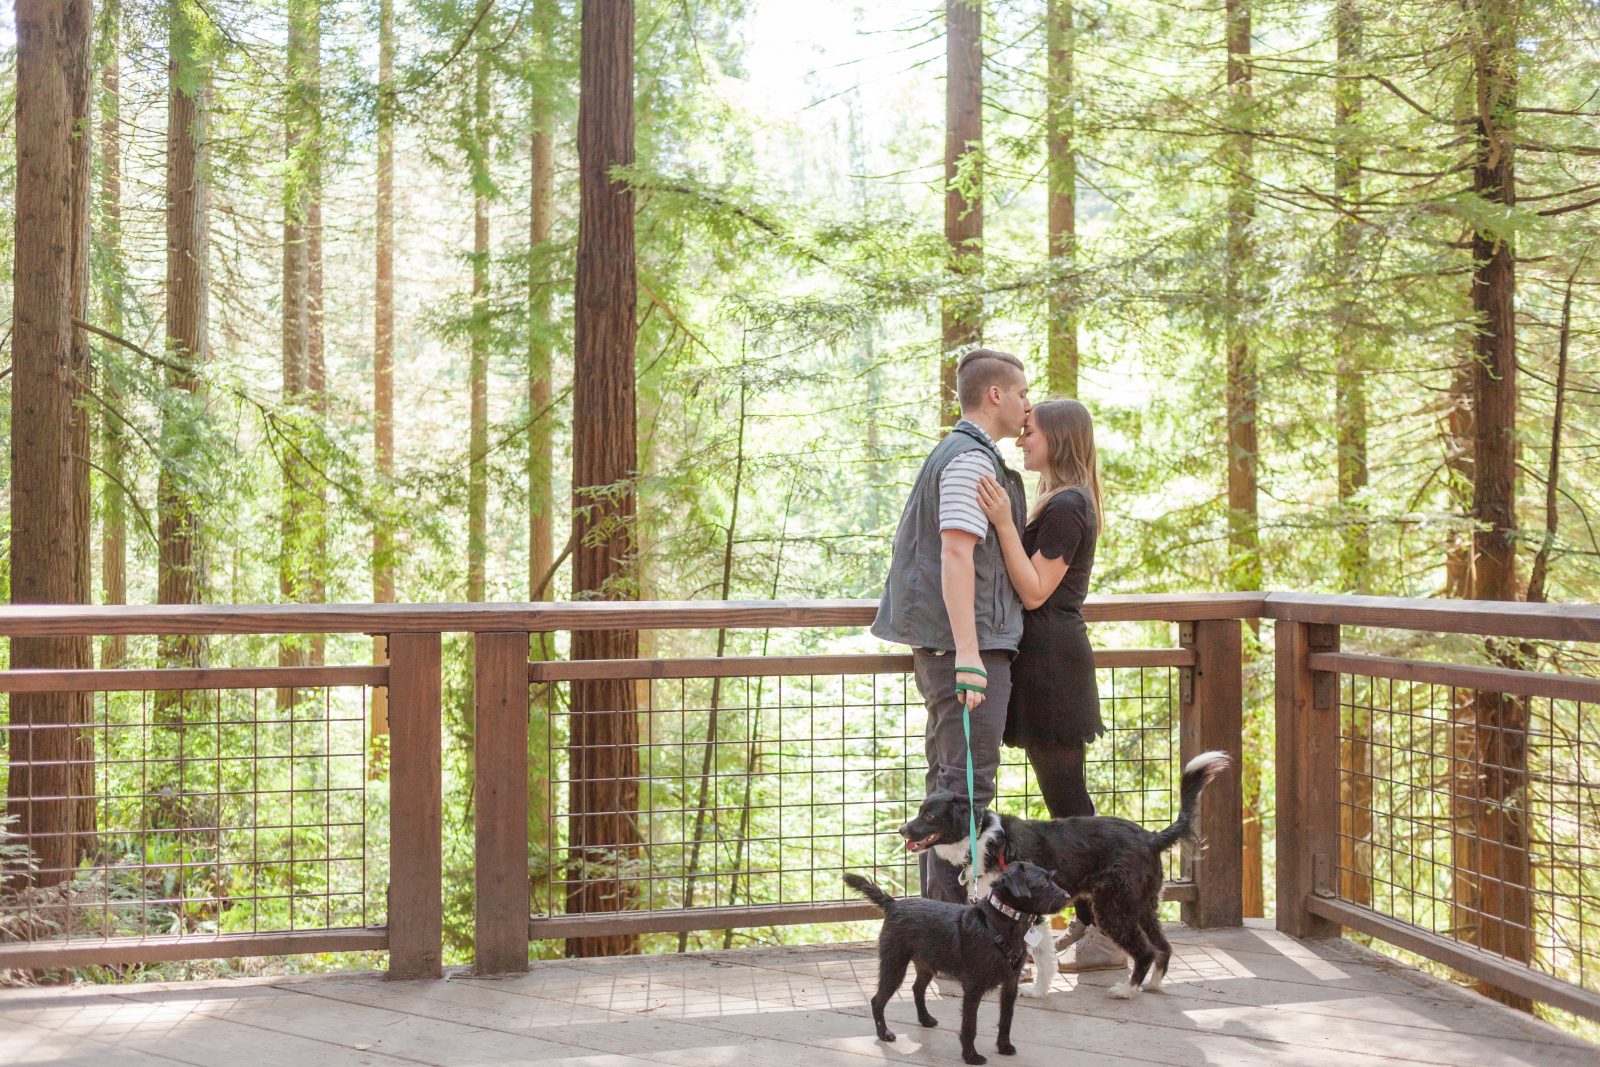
point(1210, 763)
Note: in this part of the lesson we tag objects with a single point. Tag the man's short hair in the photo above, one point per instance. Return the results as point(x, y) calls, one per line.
point(981, 368)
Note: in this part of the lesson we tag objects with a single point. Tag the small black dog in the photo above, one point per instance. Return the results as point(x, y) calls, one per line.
point(1113, 862)
point(981, 944)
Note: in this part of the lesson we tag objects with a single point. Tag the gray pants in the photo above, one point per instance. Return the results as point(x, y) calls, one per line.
point(946, 746)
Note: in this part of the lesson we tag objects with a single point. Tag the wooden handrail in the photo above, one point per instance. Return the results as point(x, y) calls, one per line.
point(1573, 622)
point(1494, 618)
point(61, 620)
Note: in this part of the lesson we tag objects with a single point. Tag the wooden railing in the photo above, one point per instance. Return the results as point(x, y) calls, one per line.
point(1399, 793)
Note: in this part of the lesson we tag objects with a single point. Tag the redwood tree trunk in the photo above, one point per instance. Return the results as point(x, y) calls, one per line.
point(1350, 418)
point(179, 566)
point(1244, 555)
point(1493, 874)
point(50, 531)
point(295, 522)
point(1350, 402)
point(962, 314)
point(604, 789)
point(478, 431)
point(541, 204)
point(1062, 168)
point(383, 353)
point(113, 444)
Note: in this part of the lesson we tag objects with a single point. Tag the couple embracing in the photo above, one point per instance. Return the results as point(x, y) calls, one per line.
point(988, 592)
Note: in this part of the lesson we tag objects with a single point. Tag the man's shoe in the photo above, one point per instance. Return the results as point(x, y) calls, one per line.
point(1094, 952)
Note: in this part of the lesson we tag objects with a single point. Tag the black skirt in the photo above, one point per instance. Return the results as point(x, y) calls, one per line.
point(1054, 696)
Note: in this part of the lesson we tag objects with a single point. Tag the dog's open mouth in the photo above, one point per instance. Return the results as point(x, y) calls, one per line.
point(922, 842)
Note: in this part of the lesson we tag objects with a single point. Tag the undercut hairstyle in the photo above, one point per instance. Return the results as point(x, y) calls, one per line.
point(981, 368)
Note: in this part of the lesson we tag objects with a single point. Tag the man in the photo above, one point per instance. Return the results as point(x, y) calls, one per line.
point(948, 595)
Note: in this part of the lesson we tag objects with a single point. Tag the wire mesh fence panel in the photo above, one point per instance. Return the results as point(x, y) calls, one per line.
point(1472, 815)
point(762, 791)
point(213, 811)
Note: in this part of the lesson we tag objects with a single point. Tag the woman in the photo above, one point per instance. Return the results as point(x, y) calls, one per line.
point(1055, 704)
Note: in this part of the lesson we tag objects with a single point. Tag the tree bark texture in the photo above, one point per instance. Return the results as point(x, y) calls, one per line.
point(478, 429)
point(1350, 418)
point(51, 755)
point(1493, 875)
point(1242, 382)
point(1244, 551)
point(113, 442)
point(604, 791)
point(961, 313)
point(180, 569)
point(541, 204)
point(383, 354)
point(297, 520)
point(1062, 168)
point(1350, 401)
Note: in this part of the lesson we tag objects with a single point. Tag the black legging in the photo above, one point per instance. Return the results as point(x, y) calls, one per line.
point(1059, 771)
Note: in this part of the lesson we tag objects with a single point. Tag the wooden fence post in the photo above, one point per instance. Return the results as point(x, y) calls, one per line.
point(1211, 719)
point(1307, 706)
point(416, 916)
point(500, 801)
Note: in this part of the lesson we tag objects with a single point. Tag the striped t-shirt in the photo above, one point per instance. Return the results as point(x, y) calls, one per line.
point(958, 490)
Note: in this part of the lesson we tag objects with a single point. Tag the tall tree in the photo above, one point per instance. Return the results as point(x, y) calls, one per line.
point(113, 443)
point(316, 355)
point(541, 205)
point(179, 577)
point(478, 432)
point(1350, 401)
point(383, 352)
point(1242, 384)
point(1244, 546)
point(50, 525)
point(1350, 421)
point(1356, 819)
point(1493, 873)
point(961, 313)
point(295, 562)
point(605, 761)
point(1062, 171)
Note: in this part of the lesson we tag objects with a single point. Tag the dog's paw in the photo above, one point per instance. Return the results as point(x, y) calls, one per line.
point(975, 1058)
point(886, 1034)
point(1006, 1048)
point(1036, 988)
point(1153, 983)
point(927, 1020)
point(1123, 990)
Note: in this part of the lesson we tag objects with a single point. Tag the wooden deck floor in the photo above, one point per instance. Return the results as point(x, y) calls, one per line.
point(1245, 996)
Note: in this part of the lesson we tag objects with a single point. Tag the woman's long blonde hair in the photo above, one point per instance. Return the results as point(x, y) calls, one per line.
point(1070, 459)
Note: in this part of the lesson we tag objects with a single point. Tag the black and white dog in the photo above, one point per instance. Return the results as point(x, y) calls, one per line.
point(1114, 863)
point(981, 944)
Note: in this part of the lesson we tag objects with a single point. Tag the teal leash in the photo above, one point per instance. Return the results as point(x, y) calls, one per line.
point(966, 727)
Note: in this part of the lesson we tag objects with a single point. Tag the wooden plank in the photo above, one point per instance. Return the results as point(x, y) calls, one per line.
point(1307, 776)
point(1213, 722)
point(104, 619)
point(1561, 622)
point(1463, 676)
point(128, 681)
point(671, 921)
point(416, 915)
point(1516, 978)
point(801, 666)
point(46, 955)
point(500, 802)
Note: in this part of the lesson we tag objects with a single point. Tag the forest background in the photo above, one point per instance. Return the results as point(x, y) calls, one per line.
point(1324, 273)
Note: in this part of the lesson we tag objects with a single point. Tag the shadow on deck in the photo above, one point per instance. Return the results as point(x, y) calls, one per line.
point(1234, 996)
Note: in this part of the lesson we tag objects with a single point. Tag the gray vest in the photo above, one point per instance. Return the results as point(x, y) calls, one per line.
point(912, 611)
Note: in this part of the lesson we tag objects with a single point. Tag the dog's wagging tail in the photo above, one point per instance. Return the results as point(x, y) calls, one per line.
point(1197, 774)
point(869, 889)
